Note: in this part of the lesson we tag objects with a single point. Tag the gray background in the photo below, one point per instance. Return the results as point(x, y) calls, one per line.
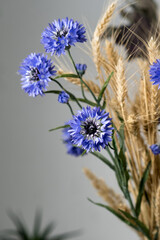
point(35, 171)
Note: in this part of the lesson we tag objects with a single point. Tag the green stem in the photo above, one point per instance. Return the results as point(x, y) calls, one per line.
point(70, 108)
point(71, 94)
point(103, 159)
point(80, 77)
point(87, 101)
point(111, 155)
point(128, 197)
point(125, 191)
point(67, 75)
point(70, 56)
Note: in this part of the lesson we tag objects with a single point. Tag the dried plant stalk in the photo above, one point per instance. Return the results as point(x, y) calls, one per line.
point(93, 86)
point(96, 47)
point(110, 66)
point(108, 195)
point(153, 55)
point(157, 207)
point(153, 51)
point(140, 117)
point(112, 54)
point(152, 138)
point(120, 86)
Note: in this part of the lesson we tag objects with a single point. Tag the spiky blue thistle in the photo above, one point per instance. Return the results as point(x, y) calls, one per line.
point(71, 149)
point(155, 149)
point(91, 129)
point(36, 71)
point(81, 68)
point(61, 35)
point(63, 97)
point(155, 73)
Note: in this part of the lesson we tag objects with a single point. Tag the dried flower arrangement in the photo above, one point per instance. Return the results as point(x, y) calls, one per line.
point(124, 126)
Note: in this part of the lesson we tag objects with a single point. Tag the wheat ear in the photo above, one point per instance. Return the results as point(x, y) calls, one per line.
point(107, 194)
point(96, 48)
point(157, 207)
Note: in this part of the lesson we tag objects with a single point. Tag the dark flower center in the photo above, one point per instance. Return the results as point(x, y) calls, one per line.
point(61, 33)
point(90, 128)
point(34, 74)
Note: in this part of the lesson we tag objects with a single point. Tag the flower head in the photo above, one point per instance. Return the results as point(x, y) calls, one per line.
point(62, 34)
point(81, 68)
point(36, 71)
point(71, 149)
point(155, 149)
point(155, 72)
point(91, 129)
point(63, 97)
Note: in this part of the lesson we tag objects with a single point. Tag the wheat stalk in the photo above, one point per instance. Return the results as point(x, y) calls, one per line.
point(106, 193)
point(157, 207)
point(96, 47)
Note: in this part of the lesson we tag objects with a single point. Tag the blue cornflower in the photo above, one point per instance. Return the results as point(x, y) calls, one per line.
point(90, 129)
point(62, 34)
point(155, 149)
point(63, 97)
point(155, 72)
point(36, 71)
point(71, 149)
point(81, 68)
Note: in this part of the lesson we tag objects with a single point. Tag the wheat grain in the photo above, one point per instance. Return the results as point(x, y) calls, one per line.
point(157, 207)
point(108, 195)
point(96, 47)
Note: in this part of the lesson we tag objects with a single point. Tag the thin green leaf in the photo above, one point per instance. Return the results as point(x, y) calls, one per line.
point(37, 223)
point(119, 117)
point(117, 214)
point(141, 188)
point(116, 161)
point(66, 76)
point(141, 227)
point(47, 231)
point(104, 104)
point(103, 159)
point(123, 166)
point(53, 91)
point(83, 153)
point(109, 145)
point(121, 136)
point(122, 159)
point(21, 228)
point(53, 129)
point(104, 87)
point(86, 101)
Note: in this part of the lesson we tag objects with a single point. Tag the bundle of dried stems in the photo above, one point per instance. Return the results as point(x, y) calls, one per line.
point(140, 116)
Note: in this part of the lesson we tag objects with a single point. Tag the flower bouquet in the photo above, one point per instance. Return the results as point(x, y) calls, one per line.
point(117, 125)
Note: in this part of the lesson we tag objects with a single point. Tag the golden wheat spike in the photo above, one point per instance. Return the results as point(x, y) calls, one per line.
point(108, 195)
point(112, 57)
point(152, 50)
point(157, 207)
point(96, 48)
point(112, 54)
point(152, 56)
point(121, 88)
point(144, 93)
point(101, 26)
